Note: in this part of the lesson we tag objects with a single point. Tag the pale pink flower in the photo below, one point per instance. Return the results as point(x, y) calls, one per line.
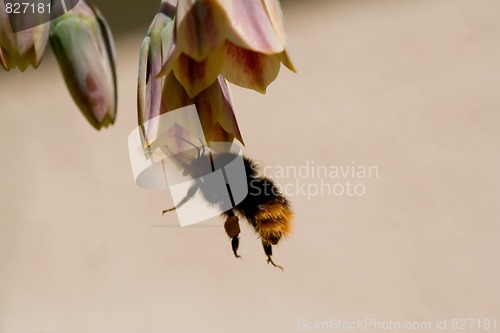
point(244, 40)
point(159, 95)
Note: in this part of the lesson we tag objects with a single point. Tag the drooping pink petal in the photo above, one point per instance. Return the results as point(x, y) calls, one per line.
point(273, 10)
point(200, 27)
point(216, 101)
point(172, 54)
point(150, 87)
point(229, 122)
point(275, 14)
point(251, 28)
point(174, 96)
point(250, 69)
point(149, 90)
point(218, 134)
point(196, 76)
point(213, 105)
point(41, 37)
point(285, 59)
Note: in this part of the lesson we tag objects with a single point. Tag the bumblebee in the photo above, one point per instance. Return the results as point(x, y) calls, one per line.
point(266, 209)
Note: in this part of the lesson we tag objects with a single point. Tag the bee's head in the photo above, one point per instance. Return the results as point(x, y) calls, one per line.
point(199, 167)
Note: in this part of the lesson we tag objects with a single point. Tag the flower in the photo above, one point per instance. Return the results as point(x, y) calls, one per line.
point(214, 105)
point(153, 50)
point(23, 48)
point(244, 40)
point(84, 49)
point(159, 95)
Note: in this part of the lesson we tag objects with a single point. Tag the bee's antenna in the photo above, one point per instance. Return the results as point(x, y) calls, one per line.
point(168, 148)
point(203, 145)
point(191, 144)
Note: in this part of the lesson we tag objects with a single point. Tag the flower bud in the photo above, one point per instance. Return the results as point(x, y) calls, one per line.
point(84, 48)
point(23, 48)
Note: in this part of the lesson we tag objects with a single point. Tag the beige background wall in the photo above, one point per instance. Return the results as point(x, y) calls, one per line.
point(410, 86)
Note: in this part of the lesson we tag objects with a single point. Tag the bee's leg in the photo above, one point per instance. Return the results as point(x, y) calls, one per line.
point(268, 249)
point(232, 228)
point(191, 192)
point(235, 243)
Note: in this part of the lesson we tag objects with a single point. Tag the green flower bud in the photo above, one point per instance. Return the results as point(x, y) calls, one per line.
point(84, 48)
